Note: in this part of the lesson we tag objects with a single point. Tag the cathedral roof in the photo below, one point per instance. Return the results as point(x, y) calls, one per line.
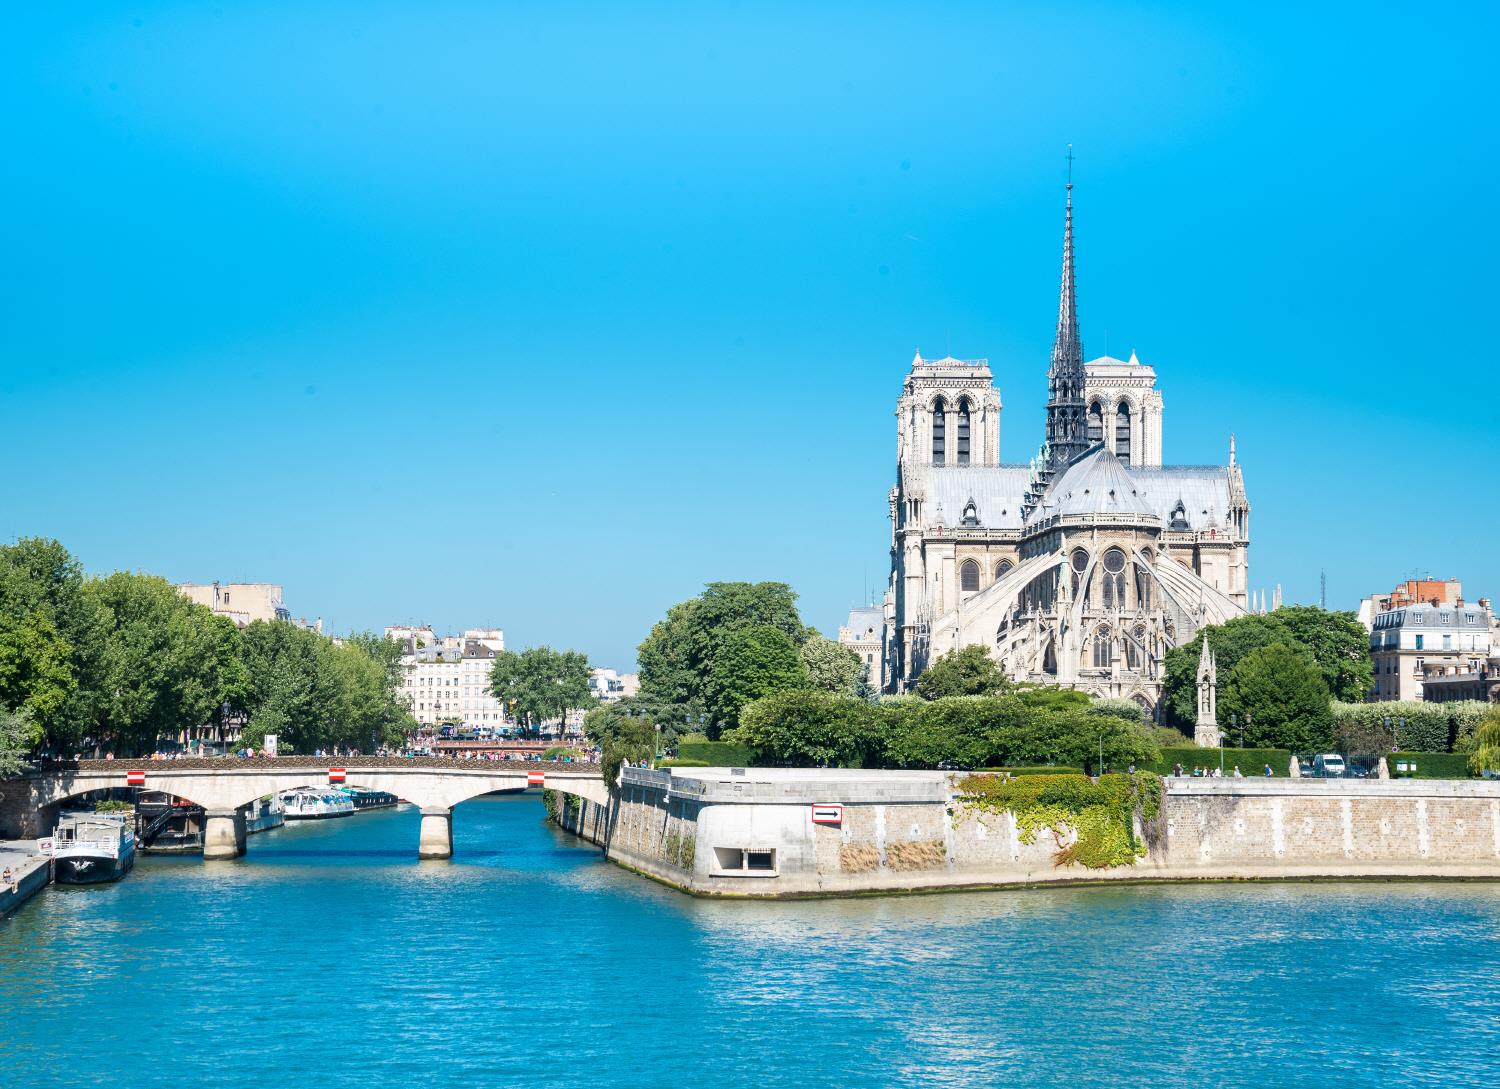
point(996, 490)
point(1095, 483)
point(1203, 491)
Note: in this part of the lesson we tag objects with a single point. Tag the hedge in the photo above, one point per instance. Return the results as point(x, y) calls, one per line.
point(1251, 762)
point(682, 763)
point(1049, 769)
point(1429, 765)
point(716, 754)
point(1424, 727)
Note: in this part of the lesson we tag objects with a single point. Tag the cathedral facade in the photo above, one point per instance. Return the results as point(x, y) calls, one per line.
point(1081, 568)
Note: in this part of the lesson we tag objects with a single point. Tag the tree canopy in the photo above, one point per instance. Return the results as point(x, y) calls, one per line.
point(1278, 695)
point(1335, 642)
point(680, 660)
point(967, 671)
point(540, 684)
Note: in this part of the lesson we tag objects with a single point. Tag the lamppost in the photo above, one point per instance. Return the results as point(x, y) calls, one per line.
point(1099, 769)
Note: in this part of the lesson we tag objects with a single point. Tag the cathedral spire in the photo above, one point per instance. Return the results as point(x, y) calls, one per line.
point(1066, 432)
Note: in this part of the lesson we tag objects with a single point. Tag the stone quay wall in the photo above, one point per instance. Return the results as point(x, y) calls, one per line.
point(751, 832)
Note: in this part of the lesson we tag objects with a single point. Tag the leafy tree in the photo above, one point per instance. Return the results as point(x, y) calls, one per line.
point(16, 739)
point(42, 596)
point(952, 731)
point(751, 662)
point(1280, 695)
point(968, 671)
point(1335, 641)
point(540, 683)
point(832, 667)
point(36, 671)
point(806, 728)
point(621, 734)
point(1486, 754)
point(677, 657)
point(161, 670)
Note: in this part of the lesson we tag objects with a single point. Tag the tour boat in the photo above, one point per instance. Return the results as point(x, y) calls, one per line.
point(305, 804)
point(264, 814)
point(88, 848)
point(369, 799)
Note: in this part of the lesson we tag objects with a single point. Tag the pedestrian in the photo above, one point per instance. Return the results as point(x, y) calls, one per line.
point(1267, 772)
point(5, 877)
point(1237, 774)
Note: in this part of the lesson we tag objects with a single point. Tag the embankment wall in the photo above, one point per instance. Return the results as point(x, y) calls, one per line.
point(710, 831)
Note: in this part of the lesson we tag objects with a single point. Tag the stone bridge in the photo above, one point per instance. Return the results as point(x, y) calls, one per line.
point(225, 787)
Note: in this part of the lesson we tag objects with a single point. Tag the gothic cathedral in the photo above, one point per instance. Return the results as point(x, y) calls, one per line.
point(1082, 568)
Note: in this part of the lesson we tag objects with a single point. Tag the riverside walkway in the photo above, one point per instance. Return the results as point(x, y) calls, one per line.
point(225, 786)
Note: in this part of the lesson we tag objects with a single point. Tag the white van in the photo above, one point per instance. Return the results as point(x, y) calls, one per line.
point(1329, 765)
point(484, 733)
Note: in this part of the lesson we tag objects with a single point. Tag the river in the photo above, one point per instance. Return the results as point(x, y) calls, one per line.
point(329, 956)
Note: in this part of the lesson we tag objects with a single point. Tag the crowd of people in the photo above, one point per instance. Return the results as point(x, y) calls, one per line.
point(1179, 771)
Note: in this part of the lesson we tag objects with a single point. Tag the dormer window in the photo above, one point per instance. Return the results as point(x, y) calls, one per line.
point(971, 514)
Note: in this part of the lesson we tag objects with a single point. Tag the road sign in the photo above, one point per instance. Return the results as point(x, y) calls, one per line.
point(535, 778)
point(335, 775)
point(135, 778)
point(828, 814)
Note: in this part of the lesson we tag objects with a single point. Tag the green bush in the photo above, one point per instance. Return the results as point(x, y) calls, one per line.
point(1049, 769)
point(1251, 762)
point(683, 764)
point(1429, 765)
point(716, 754)
point(1360, 728)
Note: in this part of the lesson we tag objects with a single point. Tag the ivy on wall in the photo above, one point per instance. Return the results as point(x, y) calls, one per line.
point(1101, 813)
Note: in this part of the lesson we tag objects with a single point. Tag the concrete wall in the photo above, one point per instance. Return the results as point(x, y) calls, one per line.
point(905, 830)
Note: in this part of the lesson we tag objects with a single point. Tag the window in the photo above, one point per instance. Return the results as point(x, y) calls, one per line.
point(1101, 649)
point(1096, 423)
point(1122, 431)
point(746, 861)
point(1114, 579)
point(939, 428)
point(1080, 562)
point(968, 576)
point(1001, 568)
point(1447, 642)
point(963, 431)
point(971, 514)
point(1419, 642)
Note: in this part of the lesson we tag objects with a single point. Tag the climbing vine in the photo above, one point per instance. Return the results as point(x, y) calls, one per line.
point(1101, 812)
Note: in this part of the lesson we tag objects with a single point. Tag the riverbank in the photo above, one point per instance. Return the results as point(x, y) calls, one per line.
point(30, 872)
point(791, 833)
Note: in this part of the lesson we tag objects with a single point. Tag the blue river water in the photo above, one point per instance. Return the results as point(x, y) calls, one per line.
point(329, 956)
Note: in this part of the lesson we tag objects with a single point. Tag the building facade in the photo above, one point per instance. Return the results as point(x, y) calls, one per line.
point(1081, 568)
point(447, 678)
point(610, 685)
point(865, 635)
point(242, 602)
point(1444, 646)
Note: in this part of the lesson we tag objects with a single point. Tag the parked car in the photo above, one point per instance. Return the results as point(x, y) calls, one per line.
point(1329, 765)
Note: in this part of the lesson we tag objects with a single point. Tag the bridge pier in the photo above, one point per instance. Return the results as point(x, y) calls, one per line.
point(223, 833)
point(437, 833)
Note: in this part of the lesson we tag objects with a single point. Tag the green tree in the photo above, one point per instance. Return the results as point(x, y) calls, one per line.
point(36, 671)
point(968, 671)
point(749, 663)
point(1486, 754)
point(16, 739)
point(806, 728)
point(677, 657)
point(540, 684)
point(162, 672)
point(42, 597)
point(1279, 694)
point(289, 689)
point(1335, 641)
point(832, 667)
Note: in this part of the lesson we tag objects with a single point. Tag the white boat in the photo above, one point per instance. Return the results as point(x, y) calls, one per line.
point(88, 848)
point(264, 814)
point(305, 803)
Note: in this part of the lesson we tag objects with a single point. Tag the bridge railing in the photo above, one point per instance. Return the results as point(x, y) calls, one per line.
point(273, 763)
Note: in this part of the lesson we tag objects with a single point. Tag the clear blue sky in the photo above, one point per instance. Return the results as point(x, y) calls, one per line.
point(543, 315)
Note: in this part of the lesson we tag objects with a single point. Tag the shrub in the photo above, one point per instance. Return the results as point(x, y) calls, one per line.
point(1429, 765)
point(1360, 728)
point(1049, 769)
point(1129, 710)
point(682, 763)
point(716, 754)
point(1102, 813)
point(806, 728)
point(1251, 761)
